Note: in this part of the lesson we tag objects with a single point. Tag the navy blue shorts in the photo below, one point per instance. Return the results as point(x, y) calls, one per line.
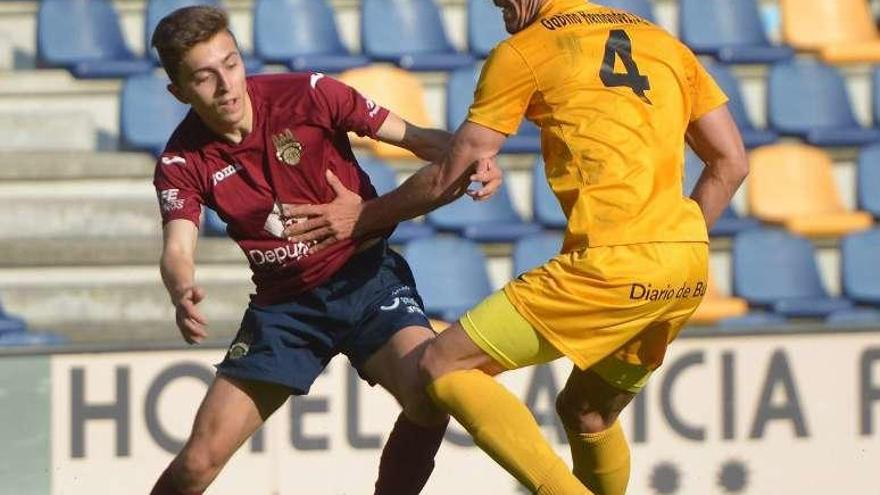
point(356, 312)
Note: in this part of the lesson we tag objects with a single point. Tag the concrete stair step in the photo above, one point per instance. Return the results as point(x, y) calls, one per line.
point(57, 165)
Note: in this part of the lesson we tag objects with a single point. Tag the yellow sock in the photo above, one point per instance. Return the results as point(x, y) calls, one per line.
point(601, 460)
point(503, 427)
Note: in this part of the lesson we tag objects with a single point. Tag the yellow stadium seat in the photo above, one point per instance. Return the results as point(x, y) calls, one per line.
point(439, 325)
point(395, 89)
point(716, 306)
point(793, 185)
point(839, 30)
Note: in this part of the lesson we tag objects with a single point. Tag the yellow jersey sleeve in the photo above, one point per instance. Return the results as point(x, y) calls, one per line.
point(504, 90)
point(705, 93)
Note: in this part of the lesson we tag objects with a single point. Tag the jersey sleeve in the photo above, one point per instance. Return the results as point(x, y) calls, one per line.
point(705, 93)
point(177, 190)
point(504, 90)
point(346, 108)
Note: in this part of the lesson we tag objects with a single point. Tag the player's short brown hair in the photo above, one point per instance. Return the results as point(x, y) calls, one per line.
point(184, 28)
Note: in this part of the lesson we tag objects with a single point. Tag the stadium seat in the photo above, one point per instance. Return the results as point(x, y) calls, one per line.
point(460, 95)
point(409, 33)
point(827, 120)
point(301, 34)
point(533, 250)
point(793, 184)
point(157, 9)
point(868, 180)
point(860, 267)
point(855, 317)
point(485, 27)
point(148, 113)
point(392, 88)
point(383, 179)
point(752, 136)
point(729, 30)
point(213, 225)
point(30, 339)
point(840, 30)
point(545, 207)
point(450, 274)
point(493, 220)
point(641, 8)
point(730, 222)
point(777, 270)
point(84, 36)
point(716, 306)
point(751, 322)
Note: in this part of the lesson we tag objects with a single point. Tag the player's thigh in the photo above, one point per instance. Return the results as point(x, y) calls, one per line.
point(395, 365)
point(230, 413)
point(588, 403)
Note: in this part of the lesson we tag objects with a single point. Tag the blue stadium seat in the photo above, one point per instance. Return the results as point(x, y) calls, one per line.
point(875, 86)
point(459, 96)
point(860, 266)
point(450, 274)
point(384, 179)
point(856, 317)
point(730, 223)
point(84, 36)
point(730, 30)
point(868, 183)
point(409, 33)
point(545, 207)
point(301, 34)
point(30, 339)
point(752, 136)
point(756, 320)
point(534, 250)
point(809, 99)
point(10, 323)
point(777, 270)
point(148, 113)
point(641, 8)
point(213, 225)
point(485, 27)
point(493, 220)
point(157, 9)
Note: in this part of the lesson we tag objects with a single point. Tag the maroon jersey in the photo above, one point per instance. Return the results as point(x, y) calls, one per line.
point(299, 130)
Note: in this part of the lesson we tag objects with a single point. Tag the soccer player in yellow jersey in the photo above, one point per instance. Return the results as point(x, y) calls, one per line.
point(616, 98)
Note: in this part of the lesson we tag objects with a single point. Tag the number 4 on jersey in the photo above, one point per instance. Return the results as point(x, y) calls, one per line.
point(619, 45)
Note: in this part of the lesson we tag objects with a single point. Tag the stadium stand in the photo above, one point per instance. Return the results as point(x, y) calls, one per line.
point(717, 306)
point(856, 317)
point(641, 8)
point(729, 30)
point(94, 49)
point(546, 209)
point(868, 180)
point(410, 34)
point(776, 270)
point(433, 260)
point(730, 221)
point(485, 27)
point(860, 267)
point(493, 220)
point(148, 113)
point(212, 224)
point(533, 250)
point(302, 35)
point(383, 178)
point(793, 184)
point(752, 136)
point(460, 94)
point(840, 31)
point(828, 119)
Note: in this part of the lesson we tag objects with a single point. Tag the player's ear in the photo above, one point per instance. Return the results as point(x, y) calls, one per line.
point(174, 90)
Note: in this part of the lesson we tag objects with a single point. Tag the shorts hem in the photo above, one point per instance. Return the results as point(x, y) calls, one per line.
point(256, 377)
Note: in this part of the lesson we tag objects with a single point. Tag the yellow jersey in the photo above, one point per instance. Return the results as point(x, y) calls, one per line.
point(613, 95)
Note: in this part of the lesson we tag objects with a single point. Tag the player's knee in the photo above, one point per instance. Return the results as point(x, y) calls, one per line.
point(577, 415)
point(196, 468)
point(432, 365)
point(422, 411)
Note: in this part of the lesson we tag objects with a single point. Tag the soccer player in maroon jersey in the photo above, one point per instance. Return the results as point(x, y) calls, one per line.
point(247, 146)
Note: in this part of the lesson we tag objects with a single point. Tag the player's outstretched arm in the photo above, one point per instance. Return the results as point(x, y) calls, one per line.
point(177, 266)
point(427, 144)
point(434, 185)
point(716, 140)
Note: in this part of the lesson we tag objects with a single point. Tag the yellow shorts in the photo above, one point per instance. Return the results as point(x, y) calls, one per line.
point(612, 309)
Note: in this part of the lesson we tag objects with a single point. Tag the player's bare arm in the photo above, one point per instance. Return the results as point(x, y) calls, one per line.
point(434, 185)
point(716, 140)
point(177, 266)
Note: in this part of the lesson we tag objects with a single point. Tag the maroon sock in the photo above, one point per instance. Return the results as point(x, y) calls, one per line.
point(165, 486)
point(408, 457)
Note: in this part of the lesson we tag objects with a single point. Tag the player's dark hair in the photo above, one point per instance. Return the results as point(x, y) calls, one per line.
point(184, 28)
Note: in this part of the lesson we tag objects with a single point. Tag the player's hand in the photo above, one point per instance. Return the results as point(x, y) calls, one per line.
point(489, 174)
point(327, 223)
point(190, 320)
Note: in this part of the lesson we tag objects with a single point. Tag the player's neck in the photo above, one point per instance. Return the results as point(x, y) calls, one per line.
point(235, 133)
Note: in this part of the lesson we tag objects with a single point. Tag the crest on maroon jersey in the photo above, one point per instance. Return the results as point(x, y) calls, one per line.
point(287, 149)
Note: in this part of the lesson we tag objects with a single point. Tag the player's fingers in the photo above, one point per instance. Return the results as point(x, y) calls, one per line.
point(198, 294)
point(305, 226)
point(323, 244)
point(293, 211)
point(318, 234)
